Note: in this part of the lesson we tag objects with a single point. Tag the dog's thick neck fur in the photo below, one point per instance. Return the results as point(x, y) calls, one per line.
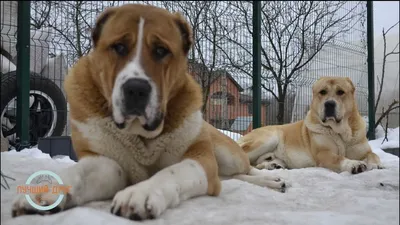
point(185, 100)
point(346, 129)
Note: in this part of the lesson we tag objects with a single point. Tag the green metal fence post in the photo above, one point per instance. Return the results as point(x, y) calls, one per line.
point(23, 71)
point(371, 71)
point(256, 64)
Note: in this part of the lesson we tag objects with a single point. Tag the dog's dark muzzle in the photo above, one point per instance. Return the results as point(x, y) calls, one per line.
point(136, 96)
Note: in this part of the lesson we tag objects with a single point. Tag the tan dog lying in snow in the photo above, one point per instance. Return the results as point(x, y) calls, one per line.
point(331, 136)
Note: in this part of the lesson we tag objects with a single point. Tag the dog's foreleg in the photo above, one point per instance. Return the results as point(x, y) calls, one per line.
point(362, 151)
point(195, 175)
point(337, 163)
point(330, 156)
point(373, 161)
point(93, 178)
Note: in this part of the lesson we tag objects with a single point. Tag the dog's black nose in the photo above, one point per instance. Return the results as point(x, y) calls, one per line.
point(136, 95)
point(330, 105)
point(330, 108)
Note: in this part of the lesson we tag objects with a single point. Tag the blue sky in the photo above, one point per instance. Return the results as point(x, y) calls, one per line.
point(386, 14)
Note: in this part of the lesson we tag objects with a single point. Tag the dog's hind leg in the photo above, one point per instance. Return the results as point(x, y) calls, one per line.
point(259, 146)
point(262, 179)
point(233, 163)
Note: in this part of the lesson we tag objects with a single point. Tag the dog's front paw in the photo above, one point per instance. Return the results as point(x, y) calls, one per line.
point(373, 166)
point(144, 200)
point(353, 166)
point(21, 206)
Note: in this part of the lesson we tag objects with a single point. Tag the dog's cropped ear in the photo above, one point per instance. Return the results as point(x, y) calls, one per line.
point(313, 86)
point(186, 32)
point(351, 84)
point(100, 21)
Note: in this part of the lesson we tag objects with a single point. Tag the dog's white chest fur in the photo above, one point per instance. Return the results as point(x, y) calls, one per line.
point(131, 153)
point(328, 137)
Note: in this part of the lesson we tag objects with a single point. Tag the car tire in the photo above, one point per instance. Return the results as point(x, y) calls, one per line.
point(42, 85)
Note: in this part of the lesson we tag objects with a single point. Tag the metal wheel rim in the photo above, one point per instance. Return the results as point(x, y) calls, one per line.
point(34, 93)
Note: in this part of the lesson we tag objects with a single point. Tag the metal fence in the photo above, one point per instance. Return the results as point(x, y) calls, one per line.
point(300, 42)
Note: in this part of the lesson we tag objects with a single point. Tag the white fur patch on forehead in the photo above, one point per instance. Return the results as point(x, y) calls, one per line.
point(139, 43)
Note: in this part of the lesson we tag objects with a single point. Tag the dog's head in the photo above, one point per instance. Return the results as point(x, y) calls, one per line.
point(141, 52)
point(333, 99)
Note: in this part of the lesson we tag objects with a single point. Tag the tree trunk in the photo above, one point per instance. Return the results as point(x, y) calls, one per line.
point(281, 110)
point(206, 91)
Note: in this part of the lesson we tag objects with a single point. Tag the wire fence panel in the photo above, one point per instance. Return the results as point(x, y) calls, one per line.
point(8, 84)
point(301, 41)
point(47, 103)
point(345, 56)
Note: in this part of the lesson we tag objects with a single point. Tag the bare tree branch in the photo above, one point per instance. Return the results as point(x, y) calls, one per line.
point(385, 55)
point(386, 127)
point(293, 33)
point(391, 107)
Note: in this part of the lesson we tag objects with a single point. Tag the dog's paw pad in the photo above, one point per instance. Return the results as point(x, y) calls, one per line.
point(135, 217)
point(283, 188)
point(358, 168)
point(354, 166)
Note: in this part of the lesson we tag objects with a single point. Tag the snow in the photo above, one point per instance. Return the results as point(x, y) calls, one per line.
point(316, 196)
point(393, 140)
point(233, 135)
point(36, 153)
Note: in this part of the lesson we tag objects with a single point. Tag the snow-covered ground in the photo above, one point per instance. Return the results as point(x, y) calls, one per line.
point(392, 138)
point(316, 197)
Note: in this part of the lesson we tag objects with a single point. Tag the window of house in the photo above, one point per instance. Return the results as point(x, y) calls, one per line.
point(250, 108)
point(217, 98)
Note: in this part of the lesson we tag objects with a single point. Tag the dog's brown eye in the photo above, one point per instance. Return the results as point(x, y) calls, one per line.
point(269, 158)
point(120, 49)
point(160, 52)
point(340, 92)
point(323, 92)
